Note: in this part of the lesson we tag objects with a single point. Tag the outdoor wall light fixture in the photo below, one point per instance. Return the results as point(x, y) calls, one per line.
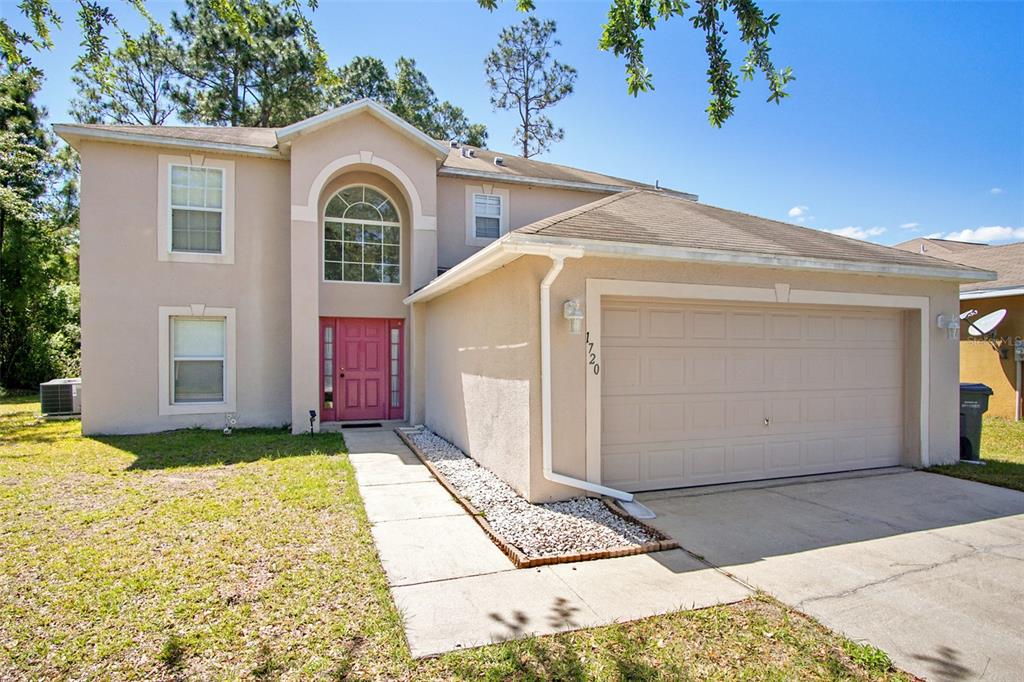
point(951, 323)
point(574, 313)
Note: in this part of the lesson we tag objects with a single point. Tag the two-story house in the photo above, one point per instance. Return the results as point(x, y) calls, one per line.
point(569, 330)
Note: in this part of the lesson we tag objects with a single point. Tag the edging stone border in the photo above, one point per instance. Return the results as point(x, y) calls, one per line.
point(520, 559)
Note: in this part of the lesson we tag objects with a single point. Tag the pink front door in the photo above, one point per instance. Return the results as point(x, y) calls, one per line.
point(361, 368)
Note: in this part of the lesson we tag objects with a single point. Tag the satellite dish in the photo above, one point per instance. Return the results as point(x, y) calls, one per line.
point(969, 313)
point(986, 323)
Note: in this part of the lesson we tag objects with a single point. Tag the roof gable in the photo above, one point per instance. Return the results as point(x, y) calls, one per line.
point(286, 135)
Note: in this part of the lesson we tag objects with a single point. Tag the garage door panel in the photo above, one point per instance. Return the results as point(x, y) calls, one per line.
point(620, 322)
point(621, 468)
point(708, 325)
point(746, 326)
point(745, 369)
point(664, 464)
point(686, 390)
point(706, 369)
point(666, 323)
point(785, 327)
point(664, 368)
point(620, 370)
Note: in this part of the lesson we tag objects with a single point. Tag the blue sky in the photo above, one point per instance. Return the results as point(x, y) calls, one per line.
point(906, 118)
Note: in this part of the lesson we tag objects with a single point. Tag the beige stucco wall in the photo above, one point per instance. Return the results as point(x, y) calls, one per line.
point(482, 369)
point(527, 204)
point(320, 162)
point(477, 370)
point(123, 285)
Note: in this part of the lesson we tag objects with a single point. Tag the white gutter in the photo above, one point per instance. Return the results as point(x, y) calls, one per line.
point(558, 257)
point(453, 172)
point(69, 132)
point(991, 293)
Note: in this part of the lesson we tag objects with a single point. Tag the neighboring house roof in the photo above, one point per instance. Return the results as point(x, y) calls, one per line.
point(276, 143)
point(946, 249)
point(656, 225)
point(1006, 260)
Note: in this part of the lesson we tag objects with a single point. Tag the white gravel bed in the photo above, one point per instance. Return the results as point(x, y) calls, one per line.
point(580, 524)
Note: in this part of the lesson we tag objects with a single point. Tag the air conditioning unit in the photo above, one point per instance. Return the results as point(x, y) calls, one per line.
point(61, 397)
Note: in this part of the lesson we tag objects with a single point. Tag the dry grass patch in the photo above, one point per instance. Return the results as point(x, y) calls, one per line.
point(188, 555)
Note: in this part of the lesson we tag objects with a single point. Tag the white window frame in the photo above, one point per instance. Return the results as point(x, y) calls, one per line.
point(167, 406)
point(486, 190)
point(354, 221)
point(164, 252)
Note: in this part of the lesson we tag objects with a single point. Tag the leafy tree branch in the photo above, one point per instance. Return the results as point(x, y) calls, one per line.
point(628, 21)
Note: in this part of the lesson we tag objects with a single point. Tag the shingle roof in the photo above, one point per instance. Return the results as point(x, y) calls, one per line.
point(655, 218)
point(265, 138)
point(1007, 261)
point(946, 249)
point(482, 162)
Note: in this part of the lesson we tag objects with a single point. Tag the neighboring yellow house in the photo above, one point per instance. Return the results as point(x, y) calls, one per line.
point(988, 359)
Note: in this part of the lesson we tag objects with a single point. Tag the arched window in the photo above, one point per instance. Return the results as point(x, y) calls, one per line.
point(362, 237)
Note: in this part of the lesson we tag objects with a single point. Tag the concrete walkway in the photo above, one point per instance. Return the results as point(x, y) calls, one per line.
point(927, 567)
point(456, 589)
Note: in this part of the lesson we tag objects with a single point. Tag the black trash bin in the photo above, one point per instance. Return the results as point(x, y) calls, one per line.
point(973, 404)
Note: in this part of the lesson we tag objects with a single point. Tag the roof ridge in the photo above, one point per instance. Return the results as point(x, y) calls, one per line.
point(635, 183)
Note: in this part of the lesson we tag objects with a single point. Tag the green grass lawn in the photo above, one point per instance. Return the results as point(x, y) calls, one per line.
point(1002, 450)
point(190, 555)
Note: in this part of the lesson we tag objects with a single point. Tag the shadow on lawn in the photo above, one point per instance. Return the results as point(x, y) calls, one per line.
point(201, 447)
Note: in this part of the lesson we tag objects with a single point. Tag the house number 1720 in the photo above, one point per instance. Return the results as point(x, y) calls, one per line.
point(592, 356)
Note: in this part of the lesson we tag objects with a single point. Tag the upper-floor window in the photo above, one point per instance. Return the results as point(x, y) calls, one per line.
point(362, 237)
point(486, 216)
point(197, 209)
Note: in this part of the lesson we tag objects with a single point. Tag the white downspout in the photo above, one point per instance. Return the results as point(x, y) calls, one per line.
point(558, 262)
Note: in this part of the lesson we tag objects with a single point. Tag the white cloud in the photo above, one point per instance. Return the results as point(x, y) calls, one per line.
point(933, 235)
point(858, 232)
point(990, 233)
point(910, 226)
point(996, 190)
point(800, 214)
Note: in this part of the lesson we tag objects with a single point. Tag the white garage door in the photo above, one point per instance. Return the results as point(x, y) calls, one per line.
point(695, 394)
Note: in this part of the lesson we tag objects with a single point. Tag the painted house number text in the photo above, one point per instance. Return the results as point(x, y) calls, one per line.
point(592, 356)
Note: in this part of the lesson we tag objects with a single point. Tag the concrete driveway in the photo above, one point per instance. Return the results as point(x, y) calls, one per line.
point(927, 567)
